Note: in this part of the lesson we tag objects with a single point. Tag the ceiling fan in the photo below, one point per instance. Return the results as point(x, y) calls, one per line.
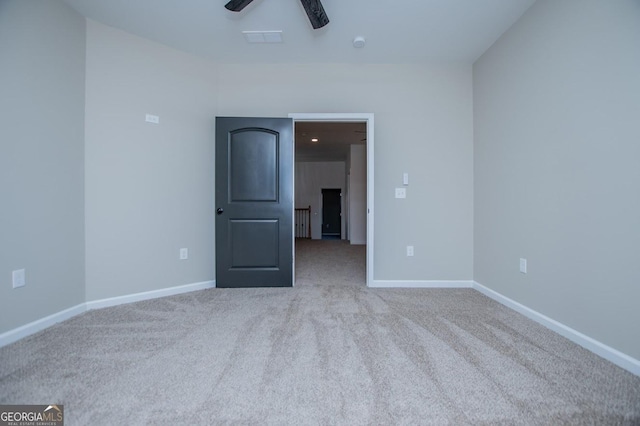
point(314, 10)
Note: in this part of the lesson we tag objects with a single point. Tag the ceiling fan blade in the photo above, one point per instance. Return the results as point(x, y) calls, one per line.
point(316, 13)
point(237, 5)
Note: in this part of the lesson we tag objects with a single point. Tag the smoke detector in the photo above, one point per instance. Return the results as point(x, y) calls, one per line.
point(358, 42)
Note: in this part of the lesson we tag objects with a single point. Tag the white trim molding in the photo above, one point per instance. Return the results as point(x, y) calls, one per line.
point(147, 295)
point(610, 354)
point(421, 284)
point(21, 332)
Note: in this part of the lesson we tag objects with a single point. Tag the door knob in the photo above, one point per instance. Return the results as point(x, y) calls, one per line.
point(220, 210)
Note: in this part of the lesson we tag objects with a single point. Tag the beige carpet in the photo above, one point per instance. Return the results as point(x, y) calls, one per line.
point(329, 351)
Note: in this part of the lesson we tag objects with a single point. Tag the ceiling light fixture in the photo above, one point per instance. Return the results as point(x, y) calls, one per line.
point(314, 140)
point(358, 42)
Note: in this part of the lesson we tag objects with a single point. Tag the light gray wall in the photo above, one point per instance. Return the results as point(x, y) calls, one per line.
point(149, 187)
point(358, 194)
point(424, 126)
point(557, 166)
point(42, 53)
point(311, 178)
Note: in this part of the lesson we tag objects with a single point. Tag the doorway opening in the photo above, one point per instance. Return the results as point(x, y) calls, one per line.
point(336, 146)
point(331, 214)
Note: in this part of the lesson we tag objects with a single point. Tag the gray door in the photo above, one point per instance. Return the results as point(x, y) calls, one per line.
point(254, 202)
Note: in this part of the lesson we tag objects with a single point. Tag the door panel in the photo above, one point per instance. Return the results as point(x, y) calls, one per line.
point(254, 202)
point(247, 251)
point(253, 171)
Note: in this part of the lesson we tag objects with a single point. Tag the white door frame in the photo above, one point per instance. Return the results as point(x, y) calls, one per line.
point(351, 117)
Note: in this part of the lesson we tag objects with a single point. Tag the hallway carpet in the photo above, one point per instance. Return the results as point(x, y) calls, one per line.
point(329, 351)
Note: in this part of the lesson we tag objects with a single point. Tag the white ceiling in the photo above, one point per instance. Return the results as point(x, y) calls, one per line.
point(334, 140)
point(414, 31)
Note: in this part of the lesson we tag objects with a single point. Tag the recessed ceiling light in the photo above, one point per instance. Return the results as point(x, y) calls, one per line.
point(314, 140)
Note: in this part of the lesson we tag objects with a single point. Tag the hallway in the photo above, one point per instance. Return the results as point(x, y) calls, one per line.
point(330, 263)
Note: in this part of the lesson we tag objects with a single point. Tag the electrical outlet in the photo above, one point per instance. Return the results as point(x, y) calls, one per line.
point(184, 253)
point(150, 118)
point(401, 192)
point(19, 279)
point(523, 265)
point(409, 251)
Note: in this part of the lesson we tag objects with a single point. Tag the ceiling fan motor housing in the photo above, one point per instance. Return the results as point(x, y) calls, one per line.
point(317, 16)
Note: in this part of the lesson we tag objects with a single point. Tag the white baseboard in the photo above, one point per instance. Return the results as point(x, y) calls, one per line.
point(420, 284)
point(153, 294)
point(610, 354)
point(16, 334)
point(39, 325)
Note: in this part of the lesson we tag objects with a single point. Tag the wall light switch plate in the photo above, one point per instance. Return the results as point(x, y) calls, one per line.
point(401, 193)
point(405, 179)
point(19, 279)
point(184, 254)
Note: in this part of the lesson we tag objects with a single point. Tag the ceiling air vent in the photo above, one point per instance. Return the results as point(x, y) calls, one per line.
point(263, 36)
